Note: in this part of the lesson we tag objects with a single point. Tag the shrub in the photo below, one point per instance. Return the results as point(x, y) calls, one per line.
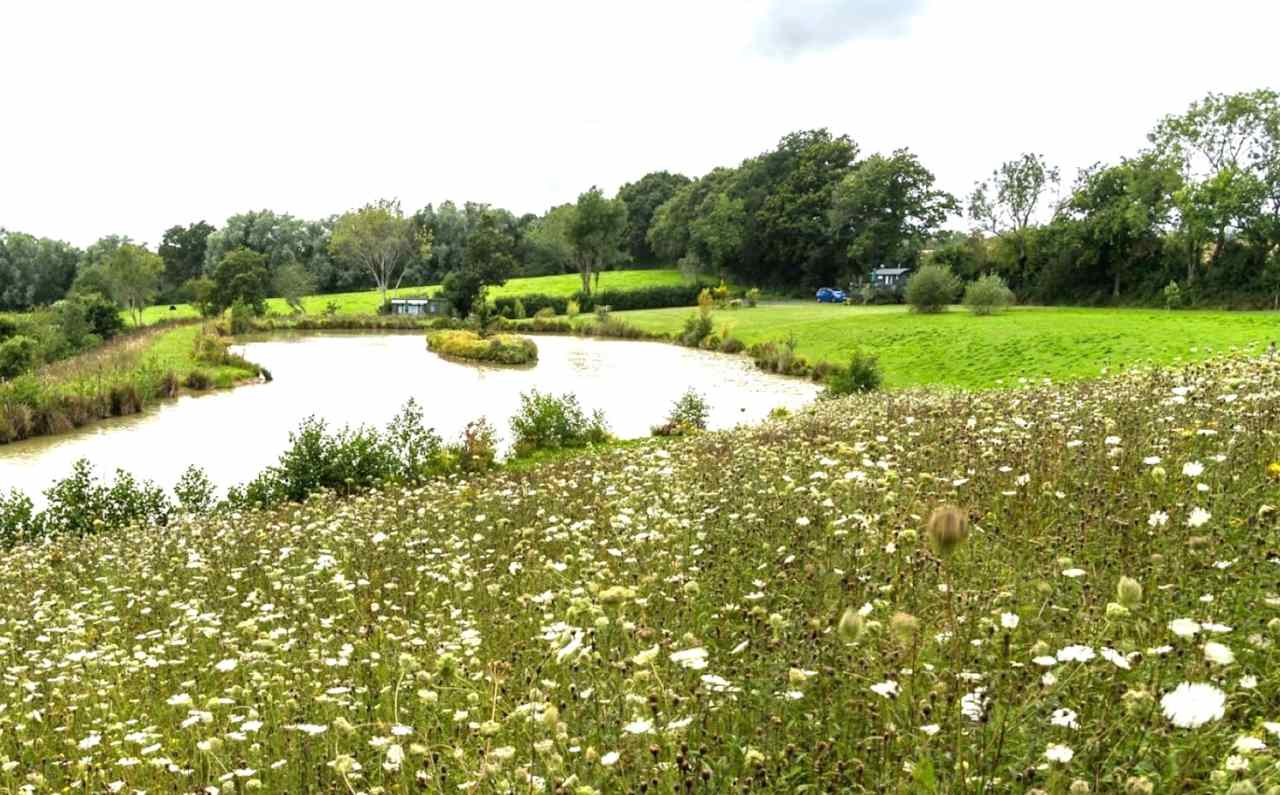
point(1172, 296)
point(19, 521)
point(753, 296)
point(547, 422)
point(688, 415)
point(697, 327)
point(610, 327)
point(932, 288)
point(242, 316)
point(17, 356)
point(478, 448)
point(80, 505)
point(779, 358)
point(862, 375)
point(517, 309)
point(195, 493)
point(987, 295)
point(572, 308)
point(198, 380)
point(732, 345)
point(495, 349)
point(414, 449)
point(545, 313)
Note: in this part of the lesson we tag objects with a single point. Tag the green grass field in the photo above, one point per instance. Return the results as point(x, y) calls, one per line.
point(365, 302)
point(958, 349)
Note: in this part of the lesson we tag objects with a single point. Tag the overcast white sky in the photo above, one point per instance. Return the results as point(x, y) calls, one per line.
point(130, 117)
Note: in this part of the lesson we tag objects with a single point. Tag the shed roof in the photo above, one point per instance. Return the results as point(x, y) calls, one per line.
point(890, 271)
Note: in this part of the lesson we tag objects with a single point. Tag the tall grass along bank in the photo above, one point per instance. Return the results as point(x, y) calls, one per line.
point(117, 379)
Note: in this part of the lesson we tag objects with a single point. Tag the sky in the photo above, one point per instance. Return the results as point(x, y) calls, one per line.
point(128, 117)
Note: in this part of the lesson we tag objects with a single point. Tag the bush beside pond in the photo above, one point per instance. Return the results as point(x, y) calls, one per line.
point(495, 349)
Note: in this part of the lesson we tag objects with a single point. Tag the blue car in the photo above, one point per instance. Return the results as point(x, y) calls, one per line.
point(828, 295)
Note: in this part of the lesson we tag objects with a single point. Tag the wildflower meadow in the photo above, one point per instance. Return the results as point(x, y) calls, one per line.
point(1059, 588)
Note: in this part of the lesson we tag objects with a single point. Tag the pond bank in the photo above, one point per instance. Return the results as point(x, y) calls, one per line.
point(366, 378)
point(118, 379)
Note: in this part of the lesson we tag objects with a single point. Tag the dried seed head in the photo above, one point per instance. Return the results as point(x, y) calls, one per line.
point(948, 528)
point(904, 626)
point(1129, 592)
point(851, 626)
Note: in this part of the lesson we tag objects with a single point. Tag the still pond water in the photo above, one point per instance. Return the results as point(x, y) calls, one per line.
point(366, 378)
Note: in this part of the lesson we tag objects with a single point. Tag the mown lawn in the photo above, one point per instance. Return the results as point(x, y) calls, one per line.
point(958, 349)
point(366, 301)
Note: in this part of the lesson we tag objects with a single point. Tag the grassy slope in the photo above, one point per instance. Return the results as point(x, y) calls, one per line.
point(172, 350)
point(958, 349)
point(366, 301)
point(448, 620)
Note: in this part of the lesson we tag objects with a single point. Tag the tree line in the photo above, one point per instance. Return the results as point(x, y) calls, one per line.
point(1197, 205)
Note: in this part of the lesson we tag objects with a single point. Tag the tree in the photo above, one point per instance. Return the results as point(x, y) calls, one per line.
point(182, 248)
point(292, 283)
point(241, 276)
point(34, 271)
point(1007, 204)
point(596, 233)
point(282, 239)
point(202, 289)
point(134, 275)
point(786, 194)
point(1228, 149)
point(1121, 211)
point(717, 234)
point(643, 198)
point(377, 239)
point(489, 260)
point(548, 250)
point(889, 207)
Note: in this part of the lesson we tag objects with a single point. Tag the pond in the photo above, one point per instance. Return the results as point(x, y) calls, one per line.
point(366, 378)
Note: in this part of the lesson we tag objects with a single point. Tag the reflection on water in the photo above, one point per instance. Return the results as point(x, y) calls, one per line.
point(355, 378)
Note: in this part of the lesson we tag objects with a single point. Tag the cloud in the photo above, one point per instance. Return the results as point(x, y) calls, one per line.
point(793, 27)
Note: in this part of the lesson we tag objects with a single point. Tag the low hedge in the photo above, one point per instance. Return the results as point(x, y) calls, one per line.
point(657, 297)
point(495, 349)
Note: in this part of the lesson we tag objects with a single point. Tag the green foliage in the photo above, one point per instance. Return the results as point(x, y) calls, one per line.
point(688, 415)
point(346, 460)
point(80, 505)
point(987, 295)
point(494, 349)
point(240, 277)
point(183, 250)
point(752, 296)
point(292, 283)
point(478, 448)
point(888, 207)
point(194, 492)
point(17, 356)
point(862, 375)
point(378, 240)
point(242, 316)
point(618, 300)
point(595, 233)
point(642, 199)
point(1172, 296)
point(34, 271)
point(697, 327)
point(132, 275)
point(547, 422)
point(489, 261)
point(931, 288)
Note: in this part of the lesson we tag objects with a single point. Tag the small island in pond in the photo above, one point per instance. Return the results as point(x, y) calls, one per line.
point(493, 349)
